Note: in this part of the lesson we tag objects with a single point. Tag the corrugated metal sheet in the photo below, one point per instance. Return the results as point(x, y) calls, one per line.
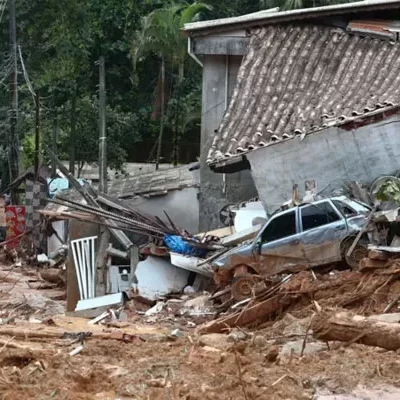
point(146, 185)
point(153, 184)
point(298, 79)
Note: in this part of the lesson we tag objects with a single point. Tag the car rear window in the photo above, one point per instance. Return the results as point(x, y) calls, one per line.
point(346, 210)
point(315, 215)
point(280, 227)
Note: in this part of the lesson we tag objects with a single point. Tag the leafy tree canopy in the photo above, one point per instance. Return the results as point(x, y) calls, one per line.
point(61, 42)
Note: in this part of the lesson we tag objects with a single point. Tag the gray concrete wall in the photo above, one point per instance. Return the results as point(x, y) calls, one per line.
point(332, 157)
point(181, 205)
point(219, 77)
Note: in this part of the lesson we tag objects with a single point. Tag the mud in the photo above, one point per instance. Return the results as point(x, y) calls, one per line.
point(164, 367)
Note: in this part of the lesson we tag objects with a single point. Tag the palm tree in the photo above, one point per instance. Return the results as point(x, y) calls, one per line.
point(161, 35)
point(295, 4)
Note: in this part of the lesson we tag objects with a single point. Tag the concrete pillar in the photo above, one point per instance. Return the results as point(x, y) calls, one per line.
point(217, 190)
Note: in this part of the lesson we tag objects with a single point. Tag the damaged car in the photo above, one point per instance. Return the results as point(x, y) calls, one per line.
point(308, 235)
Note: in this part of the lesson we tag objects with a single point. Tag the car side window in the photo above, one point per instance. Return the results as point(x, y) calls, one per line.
point(280, 227)
point(344, 209)
point(315, 215)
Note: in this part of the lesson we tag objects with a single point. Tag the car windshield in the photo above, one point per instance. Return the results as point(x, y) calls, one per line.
point(356, 205)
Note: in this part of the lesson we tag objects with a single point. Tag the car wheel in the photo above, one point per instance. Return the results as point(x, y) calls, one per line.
point(359, 252)
point(242, 287)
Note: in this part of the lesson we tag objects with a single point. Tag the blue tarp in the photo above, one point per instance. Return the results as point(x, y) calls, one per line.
point(59, 184)
point(178, 245)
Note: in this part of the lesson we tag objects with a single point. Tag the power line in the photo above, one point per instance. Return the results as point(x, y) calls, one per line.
point(26, 76)
point(3, 4)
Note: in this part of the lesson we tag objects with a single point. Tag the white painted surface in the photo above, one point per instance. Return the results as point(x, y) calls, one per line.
point(244, 216)
point(84, 255)
point(101, 301)
point(190, 264)
point(53, 244)
point(158, 277)
point(182, 207)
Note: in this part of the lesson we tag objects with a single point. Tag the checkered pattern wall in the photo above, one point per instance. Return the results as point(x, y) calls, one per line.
point(36, 199)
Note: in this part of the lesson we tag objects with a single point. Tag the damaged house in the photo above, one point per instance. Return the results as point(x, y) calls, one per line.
point(311, 94)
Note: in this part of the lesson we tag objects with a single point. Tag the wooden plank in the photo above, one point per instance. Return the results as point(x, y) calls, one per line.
point(222, 232)
point(258, 311)
point(370, 264)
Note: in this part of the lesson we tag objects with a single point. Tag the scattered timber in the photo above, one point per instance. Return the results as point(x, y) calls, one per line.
point(253, 313)
point(21, 333)
point(345, 327)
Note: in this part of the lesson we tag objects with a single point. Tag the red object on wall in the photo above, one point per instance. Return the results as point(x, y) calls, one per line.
point(15, 224)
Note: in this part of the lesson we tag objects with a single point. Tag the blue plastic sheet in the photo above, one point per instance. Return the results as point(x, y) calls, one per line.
point(178, 245)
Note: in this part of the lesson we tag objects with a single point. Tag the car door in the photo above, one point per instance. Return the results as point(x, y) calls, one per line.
point(280, 248)
point(322, 230)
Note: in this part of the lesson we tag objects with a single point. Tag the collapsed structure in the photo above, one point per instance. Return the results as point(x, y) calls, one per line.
point(298, 95)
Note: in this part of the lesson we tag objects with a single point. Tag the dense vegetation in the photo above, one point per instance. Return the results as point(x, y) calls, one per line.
point(146, 62)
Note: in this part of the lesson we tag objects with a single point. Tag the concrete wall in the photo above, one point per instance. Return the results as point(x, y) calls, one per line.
point(219, 78)
point(332, 157)
point(181, 205)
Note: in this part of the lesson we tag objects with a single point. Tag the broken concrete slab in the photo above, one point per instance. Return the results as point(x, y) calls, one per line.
point(296, 346)
point(158, 277)
point(362, 393)
point(297, 328)
point(44, 304)
point(215, 340)
point(155, 310)
point(190, 263)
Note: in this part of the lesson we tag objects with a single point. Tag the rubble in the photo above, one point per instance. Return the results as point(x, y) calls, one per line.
point(283, 336)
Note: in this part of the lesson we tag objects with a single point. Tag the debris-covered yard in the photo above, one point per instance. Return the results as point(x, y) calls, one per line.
point(161, 355)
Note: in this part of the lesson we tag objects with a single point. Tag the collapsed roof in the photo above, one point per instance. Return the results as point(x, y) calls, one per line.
point(297, 79)
point(305, 70)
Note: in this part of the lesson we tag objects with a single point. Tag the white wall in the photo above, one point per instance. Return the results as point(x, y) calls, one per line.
point(181, 205)
point(332, 156)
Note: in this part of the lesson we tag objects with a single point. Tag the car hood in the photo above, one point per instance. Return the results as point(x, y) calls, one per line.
point(221, 261)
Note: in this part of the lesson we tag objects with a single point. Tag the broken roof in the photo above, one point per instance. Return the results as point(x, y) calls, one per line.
point(300, 78)
point(275, 16)
point(155, 183)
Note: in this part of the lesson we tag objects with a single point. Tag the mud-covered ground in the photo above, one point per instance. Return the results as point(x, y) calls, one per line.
point(157, 365)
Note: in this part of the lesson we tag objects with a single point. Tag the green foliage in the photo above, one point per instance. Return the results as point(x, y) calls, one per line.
point(61, 41)
point(389, 191)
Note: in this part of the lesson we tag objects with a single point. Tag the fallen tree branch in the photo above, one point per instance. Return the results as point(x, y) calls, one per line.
point(252, 314)
point(345, 327)
point(19, 333)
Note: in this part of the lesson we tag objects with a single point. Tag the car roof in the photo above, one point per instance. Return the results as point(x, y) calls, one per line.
point(340, 198)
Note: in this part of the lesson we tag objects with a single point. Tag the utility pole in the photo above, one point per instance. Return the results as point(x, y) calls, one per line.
point(102, 131)
point(37, 135)
point(104, 232)
point(54, 144)
point(13, 142)
point(162, 112)
point(72, 138)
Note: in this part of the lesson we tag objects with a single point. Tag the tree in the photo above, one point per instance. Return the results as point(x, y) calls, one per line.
point(161, 35)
